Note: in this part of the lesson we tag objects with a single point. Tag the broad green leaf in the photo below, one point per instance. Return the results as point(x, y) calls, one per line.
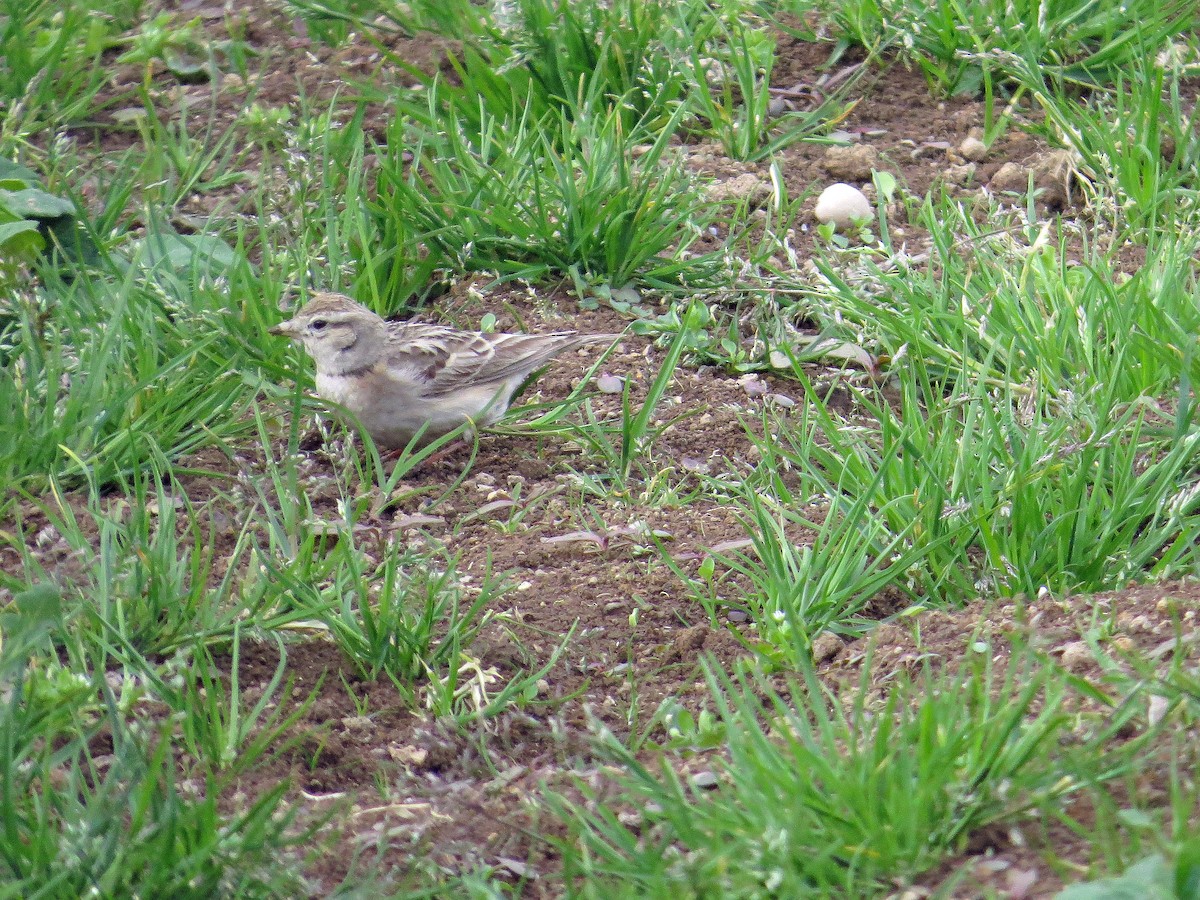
point(20, 238)
point(180, 252)
point(9, 230)
point(1149, 879)
point(11, 171)
point(36, 204)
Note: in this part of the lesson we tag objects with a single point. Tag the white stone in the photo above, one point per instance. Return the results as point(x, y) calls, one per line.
point(843, 205)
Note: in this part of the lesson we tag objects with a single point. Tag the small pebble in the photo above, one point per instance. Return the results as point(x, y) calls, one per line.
point(853, 163)
point(753, 385)
point(973, 149)
point(1075, 656)
point(1021, 882)
point(826, 646)
point(961, 175)
point(1010, 177)
point(610, 384)
point(1156, 709)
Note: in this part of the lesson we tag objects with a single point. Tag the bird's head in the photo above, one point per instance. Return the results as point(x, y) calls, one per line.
point(340, 335)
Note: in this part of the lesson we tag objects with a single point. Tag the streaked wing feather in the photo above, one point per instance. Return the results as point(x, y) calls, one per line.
point(444, 360)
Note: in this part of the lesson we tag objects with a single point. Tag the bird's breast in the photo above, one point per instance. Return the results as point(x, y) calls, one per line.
point(351, 391)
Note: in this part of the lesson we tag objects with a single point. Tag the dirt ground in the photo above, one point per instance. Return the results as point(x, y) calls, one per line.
point(448, 799)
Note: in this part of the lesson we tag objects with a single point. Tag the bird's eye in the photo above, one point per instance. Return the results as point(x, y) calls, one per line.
point(318, 324)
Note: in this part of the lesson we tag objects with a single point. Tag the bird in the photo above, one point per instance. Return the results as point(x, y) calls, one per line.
point(404, 379)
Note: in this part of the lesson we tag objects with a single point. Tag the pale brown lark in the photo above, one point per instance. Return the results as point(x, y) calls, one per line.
point(401, 379)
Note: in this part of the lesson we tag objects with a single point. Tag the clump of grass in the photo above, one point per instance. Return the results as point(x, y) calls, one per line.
point(1014, 306)
point(541, 197)
point(821, 795)
point(634, 434)
point(416, 625)
point(1006, 498)
point(730, 76)
point(101, 374)
point(149, 578)
point(962, 47)
point(50, 60)
point(1022, 450)
point(791, 589)
point(1135, 145)
point(333, 21)
point(93, 799)
point(625, 52)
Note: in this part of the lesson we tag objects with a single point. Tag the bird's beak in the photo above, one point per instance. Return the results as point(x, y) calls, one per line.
point(283, 329)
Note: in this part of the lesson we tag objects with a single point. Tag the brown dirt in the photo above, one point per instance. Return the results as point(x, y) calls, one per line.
point(415, 786)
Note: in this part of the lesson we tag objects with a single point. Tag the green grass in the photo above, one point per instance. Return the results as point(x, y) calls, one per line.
point(105, 373)
point(962, 47)
point(538, 197)
point(732, 101)
point(1015, 305)
point(1136, 146)
point(819, 797)
point(1025, 427)
point(76, 818)
point(52, 71)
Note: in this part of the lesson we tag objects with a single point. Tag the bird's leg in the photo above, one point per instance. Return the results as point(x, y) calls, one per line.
point(437, 456)
point(442, 452)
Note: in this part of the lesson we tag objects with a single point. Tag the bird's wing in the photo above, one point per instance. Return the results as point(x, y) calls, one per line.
point(443, 360)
